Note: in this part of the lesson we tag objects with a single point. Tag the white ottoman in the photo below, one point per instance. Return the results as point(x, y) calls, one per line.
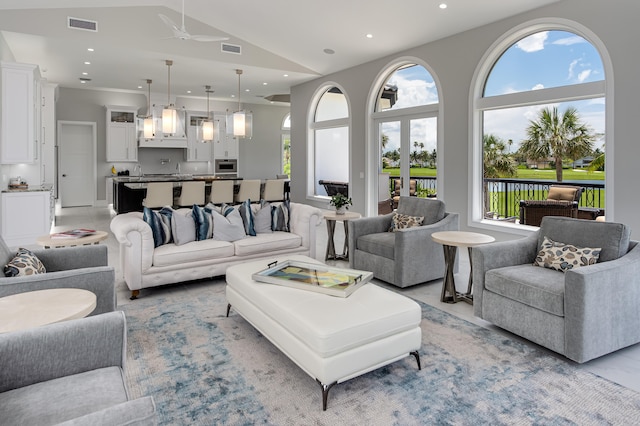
point(332, 339)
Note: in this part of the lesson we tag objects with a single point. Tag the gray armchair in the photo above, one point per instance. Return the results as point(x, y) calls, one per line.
point(71, 267)
point(408, 256)
point(582, 313)
point(69, 373)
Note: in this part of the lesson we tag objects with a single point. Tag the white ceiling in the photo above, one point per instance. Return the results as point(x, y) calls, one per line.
point(277, 37)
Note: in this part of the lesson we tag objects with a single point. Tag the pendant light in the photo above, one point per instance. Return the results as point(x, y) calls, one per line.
point(240, 123)
point(207, 125)
point(148, 120)
point(169, 113)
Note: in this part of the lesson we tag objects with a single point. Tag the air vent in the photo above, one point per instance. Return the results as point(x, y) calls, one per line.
point(84, 79)
point(82, 24)
point(231, 48)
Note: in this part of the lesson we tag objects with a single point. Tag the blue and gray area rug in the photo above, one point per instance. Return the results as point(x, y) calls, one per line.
point(205, 369)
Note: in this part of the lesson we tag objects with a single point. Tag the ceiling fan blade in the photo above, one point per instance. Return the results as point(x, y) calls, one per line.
point(208, 38)
point(169, 22)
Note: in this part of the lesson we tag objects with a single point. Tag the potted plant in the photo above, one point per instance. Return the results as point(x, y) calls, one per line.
point(340, 202)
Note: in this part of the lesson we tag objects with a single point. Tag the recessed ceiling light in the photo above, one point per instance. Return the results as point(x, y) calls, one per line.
point(139, 87)
point(443, 6)
point(369, 36)
point(285, 75)
point(85, 73)
point(188, 91)
point(82, 82)
point(329, 51)
point(265, 83)
point(90, 49)
point(87, 63)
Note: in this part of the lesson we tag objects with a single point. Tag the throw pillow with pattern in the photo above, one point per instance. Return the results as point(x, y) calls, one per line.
point(203, 221)
point(160, 223)
point(564, 257)
point(24, 263)
point(247, 218)
point(280, 216)
point(403, 221)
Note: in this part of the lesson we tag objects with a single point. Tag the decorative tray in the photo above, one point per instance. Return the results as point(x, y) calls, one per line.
point(314, 277)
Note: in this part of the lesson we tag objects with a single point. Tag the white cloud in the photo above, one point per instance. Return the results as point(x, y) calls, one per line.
point(572, 67)
point(584, 75)
point(533, 43)
point(538, 86)
point(568, 41)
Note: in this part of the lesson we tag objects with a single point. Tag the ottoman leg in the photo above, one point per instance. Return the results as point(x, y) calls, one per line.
point(325, 393)
point(229, 309)
point(417, 355)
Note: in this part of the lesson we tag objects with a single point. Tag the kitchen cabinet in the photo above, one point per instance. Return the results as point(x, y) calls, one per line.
point(197, 150)
point(225, 147)
point(121, 134)
point(26, 215)
point(165, 140)
point(18, 140)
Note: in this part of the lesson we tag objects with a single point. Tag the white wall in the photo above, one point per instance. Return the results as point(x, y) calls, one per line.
point(453, 61)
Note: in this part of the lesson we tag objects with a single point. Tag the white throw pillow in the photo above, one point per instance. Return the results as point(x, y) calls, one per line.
point(183, 228)
point(229, 227)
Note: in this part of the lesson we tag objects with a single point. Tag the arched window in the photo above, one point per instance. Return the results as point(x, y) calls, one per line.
point(329, 157)
point(539, 120)
point(286, 145)
point(405, 122)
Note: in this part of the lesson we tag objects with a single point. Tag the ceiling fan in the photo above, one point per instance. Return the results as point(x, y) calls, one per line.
point(181, 32)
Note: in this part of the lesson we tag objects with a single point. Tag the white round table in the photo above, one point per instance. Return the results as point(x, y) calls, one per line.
point(450, 241)
point(46, 241)
point(35, 308)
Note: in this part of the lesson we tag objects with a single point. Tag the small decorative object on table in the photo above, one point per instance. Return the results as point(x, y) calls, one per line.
point(314, 277)
point(340, 202)
point(74, 233)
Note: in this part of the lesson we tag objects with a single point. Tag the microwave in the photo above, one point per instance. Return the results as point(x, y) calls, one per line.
point(225, 166)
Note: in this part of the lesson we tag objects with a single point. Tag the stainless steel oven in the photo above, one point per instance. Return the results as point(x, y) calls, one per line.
point(226, 166)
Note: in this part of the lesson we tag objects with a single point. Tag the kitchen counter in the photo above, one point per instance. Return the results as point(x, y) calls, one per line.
point(34, 188)
point(171, 178)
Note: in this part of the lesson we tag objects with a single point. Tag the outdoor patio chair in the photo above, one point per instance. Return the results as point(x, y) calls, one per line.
point(333, 187)
point(562, 200)
point(396, 192)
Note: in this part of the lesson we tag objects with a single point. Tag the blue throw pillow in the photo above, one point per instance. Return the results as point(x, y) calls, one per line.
point(160, 223)
point(203, 221)
point(247, 218)
point(280, 217)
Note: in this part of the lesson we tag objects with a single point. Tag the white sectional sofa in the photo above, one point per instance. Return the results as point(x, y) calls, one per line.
point(144, 266)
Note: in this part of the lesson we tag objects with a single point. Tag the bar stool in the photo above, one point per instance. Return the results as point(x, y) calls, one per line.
point(159, 194)
point(191, 193)
point(273, 190)
point(221, 192)
point(249, 190)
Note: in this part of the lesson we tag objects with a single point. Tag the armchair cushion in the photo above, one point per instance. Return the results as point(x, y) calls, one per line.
point(381, 243)
point(24, 263)
point(562, 257)
point(403, 221)
point(563, 193)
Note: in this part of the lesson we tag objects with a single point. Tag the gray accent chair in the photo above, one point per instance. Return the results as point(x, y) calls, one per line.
point(82, 267)
point(70, 373)
point(408, 256)
point(583, 313)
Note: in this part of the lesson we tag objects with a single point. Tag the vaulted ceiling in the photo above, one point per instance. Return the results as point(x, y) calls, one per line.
point(283, 42)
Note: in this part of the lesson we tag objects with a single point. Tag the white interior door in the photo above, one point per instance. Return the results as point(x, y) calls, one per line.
point(76, 163)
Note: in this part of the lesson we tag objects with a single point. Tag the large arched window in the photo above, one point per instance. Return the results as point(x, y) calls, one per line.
point(539, 120)
point(286, 146)
point(405, 124)
point(329, 157)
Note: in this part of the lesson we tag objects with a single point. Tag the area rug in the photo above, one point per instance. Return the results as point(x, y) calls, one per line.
point(203, 368)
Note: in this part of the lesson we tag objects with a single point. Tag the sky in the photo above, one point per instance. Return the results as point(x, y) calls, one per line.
point(566, 59)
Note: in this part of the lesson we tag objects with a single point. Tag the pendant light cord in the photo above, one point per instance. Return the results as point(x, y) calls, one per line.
point(169, 63)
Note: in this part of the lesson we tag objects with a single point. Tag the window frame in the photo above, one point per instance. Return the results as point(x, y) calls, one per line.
point(478, 104)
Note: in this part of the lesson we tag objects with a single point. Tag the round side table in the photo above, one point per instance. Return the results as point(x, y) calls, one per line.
point(450, 241)
point(47, 242)
point(332, 218)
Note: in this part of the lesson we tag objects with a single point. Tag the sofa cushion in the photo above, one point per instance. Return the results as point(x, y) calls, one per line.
point(171, 254)
point(562, 193)
point(183, 228)
point(611, 237)
point(137, 412)
point(246, 213)
point(160, 223)
point(564, 257)
point(280, 216)
point(262, 217)
point(228, 227)
point(266, 243)
point(540, 288)
point(24, 263)
point(203, 219)
point(381, 244)
point(63, 399)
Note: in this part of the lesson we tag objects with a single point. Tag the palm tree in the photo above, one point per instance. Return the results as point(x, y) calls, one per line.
point(497, 163)
point(557, 136)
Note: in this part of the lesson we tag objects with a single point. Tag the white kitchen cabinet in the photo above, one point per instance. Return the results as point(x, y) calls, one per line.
point(225, 146)
point(26, 215)
point(197, 150)
point(18, 141)
point(122, 143)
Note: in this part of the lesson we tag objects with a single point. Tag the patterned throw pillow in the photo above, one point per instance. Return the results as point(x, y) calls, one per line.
point(563, 257)
point(160, 223)
point(403, 221)
point(247, 218)
point(280, 217)
point(24, 263)
point(203, 221)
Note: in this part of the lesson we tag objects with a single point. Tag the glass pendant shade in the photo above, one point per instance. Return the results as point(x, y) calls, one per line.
point(148, 127)
point(207, 130)
point(240, 123)
point(169, 120)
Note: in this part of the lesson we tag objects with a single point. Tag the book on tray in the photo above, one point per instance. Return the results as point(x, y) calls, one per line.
point(314, 277)
point(74, 233)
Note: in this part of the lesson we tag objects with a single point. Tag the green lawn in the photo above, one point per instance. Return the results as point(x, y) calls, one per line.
point(567, 174)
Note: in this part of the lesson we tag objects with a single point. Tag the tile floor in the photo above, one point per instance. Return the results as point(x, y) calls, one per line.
point(622, 367)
